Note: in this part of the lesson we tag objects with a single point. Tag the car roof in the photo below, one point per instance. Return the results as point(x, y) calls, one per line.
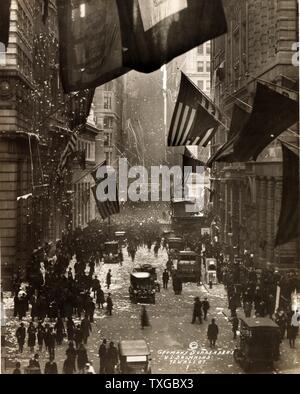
point(255, 322)
point(141, 275)
point(137, 347)
point(187, 253)
point(112, 243)
point(172, 239)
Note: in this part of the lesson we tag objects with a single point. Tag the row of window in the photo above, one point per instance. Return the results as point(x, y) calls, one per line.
point(200, 67)
point(88, 147)
point(204, 49)
point(204, 85)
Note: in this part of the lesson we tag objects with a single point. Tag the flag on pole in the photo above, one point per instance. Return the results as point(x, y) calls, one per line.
point(90, 43)
point(156, 31)
point(195, 118)
point(189, 165)
point(4, 21)
point(69, 151)
point(272, 114)
point(106, 208)
point(289, 220)
point(101, 40)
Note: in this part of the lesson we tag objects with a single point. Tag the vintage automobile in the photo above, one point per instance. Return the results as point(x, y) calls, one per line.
point(188, 267)
point(141, 288)
point(175, 243)
point(120, 236)
point(111, 252)
point(134, 356)
point(152, 271)
point(211, 271)
point(258, 344)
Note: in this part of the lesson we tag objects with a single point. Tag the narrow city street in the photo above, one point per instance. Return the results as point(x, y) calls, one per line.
point(176, 345)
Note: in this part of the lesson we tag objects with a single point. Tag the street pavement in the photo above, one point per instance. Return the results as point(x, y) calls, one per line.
point(177, 346)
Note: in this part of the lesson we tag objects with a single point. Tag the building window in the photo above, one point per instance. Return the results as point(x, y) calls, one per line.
point(200, 67)
point(208, 85)
point(201, 85)
point(108, 122)
point(107, 102)
point(208, 67)
point(200, 50)
point(208, 48)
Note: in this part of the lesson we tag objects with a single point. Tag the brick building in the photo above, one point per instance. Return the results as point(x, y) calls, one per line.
point(36, 120)
point(247, 196)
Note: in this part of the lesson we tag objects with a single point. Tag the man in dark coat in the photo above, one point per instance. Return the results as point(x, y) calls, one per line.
point(212, 333)
point(112, 358)
point(197, 312)
point(165, 279)
point(21, 335)
point(205, 307)
point(103, 356)
point(51, 340)
point(100, 298)
point(90, 309)
point(108, 279)
point(51, 367)
point(109, 305)
point(86, 329)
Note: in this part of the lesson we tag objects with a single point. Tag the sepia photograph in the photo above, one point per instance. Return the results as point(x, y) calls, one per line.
point(149, 189)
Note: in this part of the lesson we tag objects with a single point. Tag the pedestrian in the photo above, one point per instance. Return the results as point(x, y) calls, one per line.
point(281, 321)
point(291, 335)
point(40, 335)
point(108, 279)
point(109, 305)
point(235, 325)
point(112, 358)
point(144, 318)
point(86, 329)
point(71, 354)
point(17, 370)
point(35, 365)
point(197, 312)
point(100, 298)
point(120, 257)
point(21, 335)
point(51, 340)
point(78, 336)
point(82, 358)
point(51, 367)
point(212, 333)
point(70, 329)
point(31, 332)
point(90, 309)
point(59, 330)
point(103, 356)
point(165, 279)
point(68, 367)
point(205, 307)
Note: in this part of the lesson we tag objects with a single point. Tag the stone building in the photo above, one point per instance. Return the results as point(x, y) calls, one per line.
point(247, 196)
point(36, 120)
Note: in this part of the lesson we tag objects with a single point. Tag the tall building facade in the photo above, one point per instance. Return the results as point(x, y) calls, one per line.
point(108, 108)
point(36, 121)
point(247, 196)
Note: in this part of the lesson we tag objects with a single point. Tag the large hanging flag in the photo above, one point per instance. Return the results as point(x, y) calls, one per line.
point(69, 151)
point(103, 39)
point(4, 21)
point(156, 31)
point(272, 114)
point(239, 118)
point(289, 220)
point(106, 208)
point(189, 165)
point(91, 50)
point(195, 118)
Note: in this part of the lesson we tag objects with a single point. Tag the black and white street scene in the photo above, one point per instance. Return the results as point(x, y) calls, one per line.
point(149, 187)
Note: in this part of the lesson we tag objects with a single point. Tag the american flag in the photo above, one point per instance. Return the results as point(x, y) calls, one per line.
point(195, 118)
point(106, 208)
point(69, 150)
